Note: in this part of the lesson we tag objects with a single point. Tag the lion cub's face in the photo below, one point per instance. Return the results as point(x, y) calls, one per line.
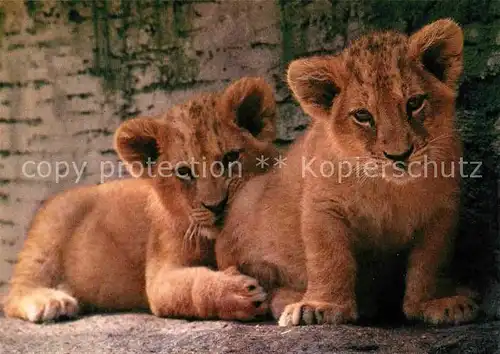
point(199, 150)
point(388, 98)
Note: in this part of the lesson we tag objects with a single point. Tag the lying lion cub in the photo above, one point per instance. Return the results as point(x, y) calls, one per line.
point(371, 175)
point(147, 242)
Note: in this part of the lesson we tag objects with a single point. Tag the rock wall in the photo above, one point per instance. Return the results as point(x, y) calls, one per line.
point(72, 71)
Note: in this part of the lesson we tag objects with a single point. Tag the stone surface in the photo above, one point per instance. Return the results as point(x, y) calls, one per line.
point(143, 333)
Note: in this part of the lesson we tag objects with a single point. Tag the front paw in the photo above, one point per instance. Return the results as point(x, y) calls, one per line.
point(451, 310)
point(317, 312)
point(242, 298)
point(43, 305)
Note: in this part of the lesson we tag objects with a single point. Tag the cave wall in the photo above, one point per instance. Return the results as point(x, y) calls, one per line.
point(71, 71)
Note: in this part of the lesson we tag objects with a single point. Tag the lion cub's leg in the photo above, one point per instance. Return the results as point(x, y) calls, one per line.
point(203, 293)
point(33, 293)
point(282, 297)
point(331, 271)
point(427, 258)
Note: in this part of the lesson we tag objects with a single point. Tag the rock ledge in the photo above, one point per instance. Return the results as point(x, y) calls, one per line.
point(143, 333)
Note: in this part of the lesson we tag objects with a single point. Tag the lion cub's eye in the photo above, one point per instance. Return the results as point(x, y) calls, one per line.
point(184, 173)
point(229, 157)
point(415, 103)
point(363, 117)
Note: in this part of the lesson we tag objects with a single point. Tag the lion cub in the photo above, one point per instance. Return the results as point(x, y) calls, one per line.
point(148, 242)
point(377, 172)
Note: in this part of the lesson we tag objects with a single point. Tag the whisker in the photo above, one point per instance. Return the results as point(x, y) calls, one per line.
point(363, 177)
point(420, 153)
point(197, 232)
point(192, 235)
point(440, 137)
point(427, 146)
point(187, 236)
point(196, 236)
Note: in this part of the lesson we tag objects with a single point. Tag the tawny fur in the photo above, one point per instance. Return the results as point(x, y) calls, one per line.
point(303, 230)
point(147, 243)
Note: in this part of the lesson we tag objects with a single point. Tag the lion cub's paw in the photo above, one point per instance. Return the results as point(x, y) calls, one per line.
point(452, 310)
point(317, 312)
point(47, 305)
point(242, 297)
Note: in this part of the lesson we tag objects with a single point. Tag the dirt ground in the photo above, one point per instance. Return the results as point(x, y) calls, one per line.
point(144, 333)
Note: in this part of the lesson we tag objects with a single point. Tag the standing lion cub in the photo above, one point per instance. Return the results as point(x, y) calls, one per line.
point(148, 242)
point(376, 174)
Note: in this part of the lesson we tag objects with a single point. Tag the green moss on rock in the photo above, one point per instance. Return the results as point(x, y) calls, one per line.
point(162, 27)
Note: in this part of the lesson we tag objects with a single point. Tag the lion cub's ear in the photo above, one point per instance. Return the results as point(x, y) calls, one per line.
point(315, 82)
point(136, 142)
point(250, 103)
point(439, 48)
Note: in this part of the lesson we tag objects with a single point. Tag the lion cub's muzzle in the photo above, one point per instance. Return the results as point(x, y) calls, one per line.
point(400, 156)
point(205, 220)
point(217, 209)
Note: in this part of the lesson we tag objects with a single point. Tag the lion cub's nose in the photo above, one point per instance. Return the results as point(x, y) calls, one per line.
point(216, 208)
point(401, 156)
